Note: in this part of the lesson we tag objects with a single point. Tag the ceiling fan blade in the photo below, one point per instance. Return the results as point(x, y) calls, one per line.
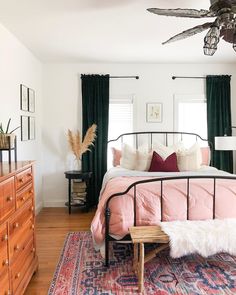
point(227, 35)
point(194, 13)
point(189, 33)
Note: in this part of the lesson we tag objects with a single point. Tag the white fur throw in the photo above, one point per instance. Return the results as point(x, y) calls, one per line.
point(206, 237)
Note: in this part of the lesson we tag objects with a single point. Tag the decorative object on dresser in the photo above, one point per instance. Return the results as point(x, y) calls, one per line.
point(8, 141)
point(79, 146)
point(78, 192)
point(18, 259)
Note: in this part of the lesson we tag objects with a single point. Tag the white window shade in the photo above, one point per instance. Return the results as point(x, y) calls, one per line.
point(120, 117)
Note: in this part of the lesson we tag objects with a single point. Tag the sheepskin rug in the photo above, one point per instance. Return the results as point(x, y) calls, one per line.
point(206, 237)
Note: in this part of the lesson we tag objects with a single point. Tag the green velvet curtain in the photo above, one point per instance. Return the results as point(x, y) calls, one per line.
point(219, 118)
point(95, 103)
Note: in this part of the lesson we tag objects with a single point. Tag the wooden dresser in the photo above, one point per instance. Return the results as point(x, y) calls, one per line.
point(18, 259)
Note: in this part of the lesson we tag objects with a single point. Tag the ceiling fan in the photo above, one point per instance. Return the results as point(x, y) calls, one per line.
point(223, 26)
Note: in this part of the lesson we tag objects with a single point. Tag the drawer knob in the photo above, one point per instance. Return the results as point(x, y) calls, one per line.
point(5, 262)
point(7, 292)
point(5, 238)
point(31, 191)
point(17, 275)
point(23, 199)
point(16, 248)
point(29, 174)
point(32, 209)
point(9, 198)
point(16, 225)
point(33, 250)
point(32, 226)
point(21, 179)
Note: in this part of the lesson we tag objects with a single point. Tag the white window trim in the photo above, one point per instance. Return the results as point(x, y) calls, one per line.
point(185, 98)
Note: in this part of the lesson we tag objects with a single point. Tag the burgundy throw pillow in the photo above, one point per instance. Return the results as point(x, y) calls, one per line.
point(160, 165)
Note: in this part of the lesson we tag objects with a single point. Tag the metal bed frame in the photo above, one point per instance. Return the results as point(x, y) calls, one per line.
point(134, 185)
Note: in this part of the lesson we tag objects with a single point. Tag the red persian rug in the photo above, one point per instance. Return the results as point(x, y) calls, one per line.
point(81, 271)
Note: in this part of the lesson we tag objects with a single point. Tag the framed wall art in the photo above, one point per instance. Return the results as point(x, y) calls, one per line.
point(31, 128)
point(24, 128)
point(23, 97)
point(31, 100)
point(154, 112)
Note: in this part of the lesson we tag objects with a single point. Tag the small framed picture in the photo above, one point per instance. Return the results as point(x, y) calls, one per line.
point(31, 128)
point(31, 99)
point(23, 97)
point(24, 128)
point(154, 112)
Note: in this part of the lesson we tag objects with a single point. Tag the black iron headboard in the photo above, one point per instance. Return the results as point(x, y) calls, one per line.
point(166, 135)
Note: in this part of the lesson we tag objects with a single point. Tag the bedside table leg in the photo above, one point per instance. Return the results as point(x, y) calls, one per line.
point(69, 196)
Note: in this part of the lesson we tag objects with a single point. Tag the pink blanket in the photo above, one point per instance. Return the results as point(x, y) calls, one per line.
point(174, 203)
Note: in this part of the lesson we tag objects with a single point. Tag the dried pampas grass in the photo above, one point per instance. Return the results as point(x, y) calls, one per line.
point(78, 146)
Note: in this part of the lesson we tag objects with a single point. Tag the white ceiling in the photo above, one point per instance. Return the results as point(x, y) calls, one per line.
point(107, 31)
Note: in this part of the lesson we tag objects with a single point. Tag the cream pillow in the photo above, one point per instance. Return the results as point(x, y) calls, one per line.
point(143, 161)
point(163, 150)
point(190, 159)
point(133, 159)
point(128, 158)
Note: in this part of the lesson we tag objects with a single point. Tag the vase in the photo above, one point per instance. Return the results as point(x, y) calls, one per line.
point(77, 165)
point(7, 141)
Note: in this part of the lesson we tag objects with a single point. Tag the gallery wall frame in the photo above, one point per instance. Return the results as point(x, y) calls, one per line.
point(31, 100)
point(24, 128)
point(31, 128)
point(23, 97)
point(154, 112)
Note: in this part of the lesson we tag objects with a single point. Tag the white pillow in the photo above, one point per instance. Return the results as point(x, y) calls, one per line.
point(163, 150)
point(143, 161)
point(135, 159)
point(128, 158)
point(190, 159)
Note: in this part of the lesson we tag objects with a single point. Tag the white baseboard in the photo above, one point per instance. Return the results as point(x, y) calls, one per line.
point(38, 208)
point(56, 203)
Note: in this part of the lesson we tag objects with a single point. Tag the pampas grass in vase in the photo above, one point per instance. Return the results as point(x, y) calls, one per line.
point(79, 146)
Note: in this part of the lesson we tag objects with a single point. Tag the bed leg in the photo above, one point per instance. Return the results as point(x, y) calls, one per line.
point(107, 252)
point(107, 219)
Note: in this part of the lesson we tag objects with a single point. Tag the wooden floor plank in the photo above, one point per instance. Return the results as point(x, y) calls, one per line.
point(52, 226)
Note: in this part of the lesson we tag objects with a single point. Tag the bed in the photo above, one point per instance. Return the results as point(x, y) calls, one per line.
point(131, 197)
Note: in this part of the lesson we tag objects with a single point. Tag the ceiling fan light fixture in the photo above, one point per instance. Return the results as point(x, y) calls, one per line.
point(211, 40)
point(209, 50)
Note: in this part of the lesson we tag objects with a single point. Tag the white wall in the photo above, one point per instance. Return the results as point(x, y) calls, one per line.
point(19, 66)
point(62, 106)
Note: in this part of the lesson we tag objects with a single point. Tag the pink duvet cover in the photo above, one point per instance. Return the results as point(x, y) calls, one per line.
point(174, 203)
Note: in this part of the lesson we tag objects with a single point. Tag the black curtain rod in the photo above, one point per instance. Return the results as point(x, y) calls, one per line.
point(189, 77)
point(124, 77)
point(183, 77)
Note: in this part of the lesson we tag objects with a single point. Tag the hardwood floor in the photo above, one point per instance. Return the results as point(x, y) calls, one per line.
point(52, 226)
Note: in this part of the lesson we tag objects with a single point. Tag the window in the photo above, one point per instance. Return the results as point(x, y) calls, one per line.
point(120, 121)
point(191, 114)
point(120, 117)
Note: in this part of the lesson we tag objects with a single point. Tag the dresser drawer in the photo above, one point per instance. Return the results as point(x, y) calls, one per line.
point(23, 178)
point(7, 198)
point(19, 242)
point(24, 214)
point(4, 261)
point(25, 194)
point(19, 268)
point(5, 286)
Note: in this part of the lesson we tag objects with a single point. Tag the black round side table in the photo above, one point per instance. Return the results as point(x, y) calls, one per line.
point(83, 176)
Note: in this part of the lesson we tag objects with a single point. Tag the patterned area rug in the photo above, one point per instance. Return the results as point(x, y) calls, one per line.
point(80, 271)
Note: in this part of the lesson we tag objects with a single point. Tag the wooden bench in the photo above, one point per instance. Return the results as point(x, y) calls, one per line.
point(141, 235)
